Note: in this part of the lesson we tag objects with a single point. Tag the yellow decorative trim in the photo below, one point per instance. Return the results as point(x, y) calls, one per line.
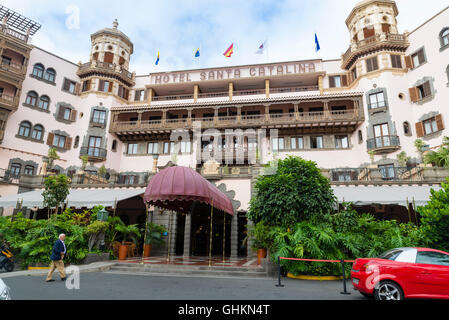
point(38, 268)
point(315, 278)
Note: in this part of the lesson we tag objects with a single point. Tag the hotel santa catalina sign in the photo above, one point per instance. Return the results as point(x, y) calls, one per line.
point(271, 70)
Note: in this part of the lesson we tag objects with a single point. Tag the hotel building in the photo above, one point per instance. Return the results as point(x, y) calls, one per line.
point(352, 116)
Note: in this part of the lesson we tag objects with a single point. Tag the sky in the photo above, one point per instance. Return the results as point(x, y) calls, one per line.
point(178, 28)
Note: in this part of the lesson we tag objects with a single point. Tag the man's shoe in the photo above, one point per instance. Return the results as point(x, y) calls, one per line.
point(63, 279)
point(51, 280)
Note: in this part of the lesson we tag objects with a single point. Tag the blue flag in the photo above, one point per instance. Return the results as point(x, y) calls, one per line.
point(317, 47)
point(197, 53)
point(157, 60)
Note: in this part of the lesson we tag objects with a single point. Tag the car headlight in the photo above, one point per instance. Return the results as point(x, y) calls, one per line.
point(5, 294)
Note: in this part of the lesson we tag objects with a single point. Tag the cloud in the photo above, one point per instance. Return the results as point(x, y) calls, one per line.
point(178, 28)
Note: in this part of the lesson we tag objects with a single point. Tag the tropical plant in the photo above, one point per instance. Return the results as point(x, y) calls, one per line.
point(84, 161)
point(419, 145)
point(96, 232)
point(435, 218)
point(371, 155)
point(102, 171)
point(154, 234)
point(439, 158)
point(260, 235)
point(52, 156)
point(56, 191)
point(403, 159)
point(131, 232)
point(296, 191)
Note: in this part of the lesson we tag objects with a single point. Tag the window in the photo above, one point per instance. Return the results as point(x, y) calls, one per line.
point(123, 92)
point(418, 58)
point(37, 132)
point(360, 136)
point(445, 37)
point(277, 144)
point(430, 126)
point(335, 82)
point(69, 86)
point(29, 170)
point(59, 141)
point(44, 102)
point(341, 142)
point(139, 95)
point(1, 91)
point(354, 73)
point(77, 142)
point(424, 90)
point(316, 142)
point(66, 114)
point(31, 98)
point(169, 147)
point(94, 146)
point(387, 171)
point(185, 146)
point(371, 64)
point(6, 60)
point(432, 257)
point(50, 75)
point(15, 170)
point(368, 32)
point(396, 61)
point(382, 135)
point(114, 145)
point(38, 70)
point(377, 100)
point(99, 117)
point(296, 143)
point(132, 148)
point(105, 86)
point(152, 148)
point(24, 129)
point(407, 130)
point(86, 86)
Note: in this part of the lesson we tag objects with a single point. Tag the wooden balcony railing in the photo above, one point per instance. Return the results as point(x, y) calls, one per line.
point(13, 67)
point(9, 101)
point(248, 92)
point(20, 36)
point(236, 121)
point(294, 89)
point(168, 98)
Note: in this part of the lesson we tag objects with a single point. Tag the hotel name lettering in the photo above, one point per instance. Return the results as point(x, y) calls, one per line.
point(235, 73)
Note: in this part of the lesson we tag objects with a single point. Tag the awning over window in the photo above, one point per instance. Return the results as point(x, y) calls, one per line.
point(177, 188)
point(77, 198)
point(366, 195)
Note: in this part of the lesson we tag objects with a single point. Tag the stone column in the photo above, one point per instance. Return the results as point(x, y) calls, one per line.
point(239, 113)
point(195, 93)
point(216, 115)
point(174, 223)
point(234, 235)
point(295, 106)
point(320, 84)
point(249, 251)
point(231, 90)
point(267, 88)
point(267, 112)
point(187, 231)
point(327, 114)
point(164, 117)
point(139, 118)
point(150, 95)
point(189, 117)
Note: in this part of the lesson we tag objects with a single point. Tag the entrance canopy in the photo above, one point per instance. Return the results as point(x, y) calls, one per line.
point(77, 198)
point(385, 195)
point(177, 188)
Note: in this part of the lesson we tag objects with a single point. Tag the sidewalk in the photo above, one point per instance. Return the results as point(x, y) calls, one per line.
point(93, 267)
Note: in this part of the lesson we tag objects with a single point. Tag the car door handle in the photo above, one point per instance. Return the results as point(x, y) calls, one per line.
point(426, 272)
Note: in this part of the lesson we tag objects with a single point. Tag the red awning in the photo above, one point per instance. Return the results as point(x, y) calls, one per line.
point(177, 188)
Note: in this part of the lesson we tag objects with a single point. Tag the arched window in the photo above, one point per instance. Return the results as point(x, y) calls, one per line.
point(407, 131)
point(50, 75)
point(444, 37)
point(38, 70)
point(24, 129)
point(44, 102)
point(31, 98)
point(37, 133)
point(15, 170)
point(29, 170)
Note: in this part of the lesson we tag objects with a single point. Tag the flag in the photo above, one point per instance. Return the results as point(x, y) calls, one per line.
point(262, 48)
point(197, 53)
point(317, 44)
point(157, 60)
point(230, 51)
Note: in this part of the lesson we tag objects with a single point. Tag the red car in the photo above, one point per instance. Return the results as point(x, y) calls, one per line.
point(403, 273)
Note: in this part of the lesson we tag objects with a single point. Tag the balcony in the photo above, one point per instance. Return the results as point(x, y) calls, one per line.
point(374, 43)
point(384, 144)
point(301, 119)
point(95, 154)
point(13, 68)
point(13, 33)
point(9, 102)
point(99, 67)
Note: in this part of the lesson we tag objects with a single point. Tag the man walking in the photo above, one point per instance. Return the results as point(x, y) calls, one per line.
point(57, 255)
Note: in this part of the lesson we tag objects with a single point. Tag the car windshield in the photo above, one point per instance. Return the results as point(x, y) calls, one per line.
point(390, 254)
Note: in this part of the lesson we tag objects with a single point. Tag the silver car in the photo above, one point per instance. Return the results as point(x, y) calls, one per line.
point(4, 291)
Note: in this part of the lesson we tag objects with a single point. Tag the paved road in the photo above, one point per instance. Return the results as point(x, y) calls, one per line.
point(112, 286)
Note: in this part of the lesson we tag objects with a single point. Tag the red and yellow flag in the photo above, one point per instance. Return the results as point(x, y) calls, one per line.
point(230, 51)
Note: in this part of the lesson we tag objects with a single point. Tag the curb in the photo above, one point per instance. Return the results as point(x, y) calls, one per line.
point(93, 267)
point(315, 278)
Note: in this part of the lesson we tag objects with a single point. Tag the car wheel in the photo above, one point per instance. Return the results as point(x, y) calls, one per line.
point(366, 295)
point(9, 266)
point(388, 290)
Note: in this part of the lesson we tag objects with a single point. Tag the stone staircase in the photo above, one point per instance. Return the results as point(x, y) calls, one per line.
point(188, 270)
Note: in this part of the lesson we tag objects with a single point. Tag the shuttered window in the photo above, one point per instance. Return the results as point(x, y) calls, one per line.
point(108, 57)
point(71, 86)
point(418, 58)
point(429, 126)
point(396, 61)
point(420, 92)
point(371, 64)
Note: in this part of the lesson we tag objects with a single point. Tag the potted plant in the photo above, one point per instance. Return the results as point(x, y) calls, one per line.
point(153, 236)
point(130, 232)
point(52, 156)
point(260, 234)
point(84, 160)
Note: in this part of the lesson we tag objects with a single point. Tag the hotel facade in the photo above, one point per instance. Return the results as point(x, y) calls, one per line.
point(352, 116)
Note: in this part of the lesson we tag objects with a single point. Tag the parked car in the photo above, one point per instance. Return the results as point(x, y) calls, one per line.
point(4, 291)
point(403, 273)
